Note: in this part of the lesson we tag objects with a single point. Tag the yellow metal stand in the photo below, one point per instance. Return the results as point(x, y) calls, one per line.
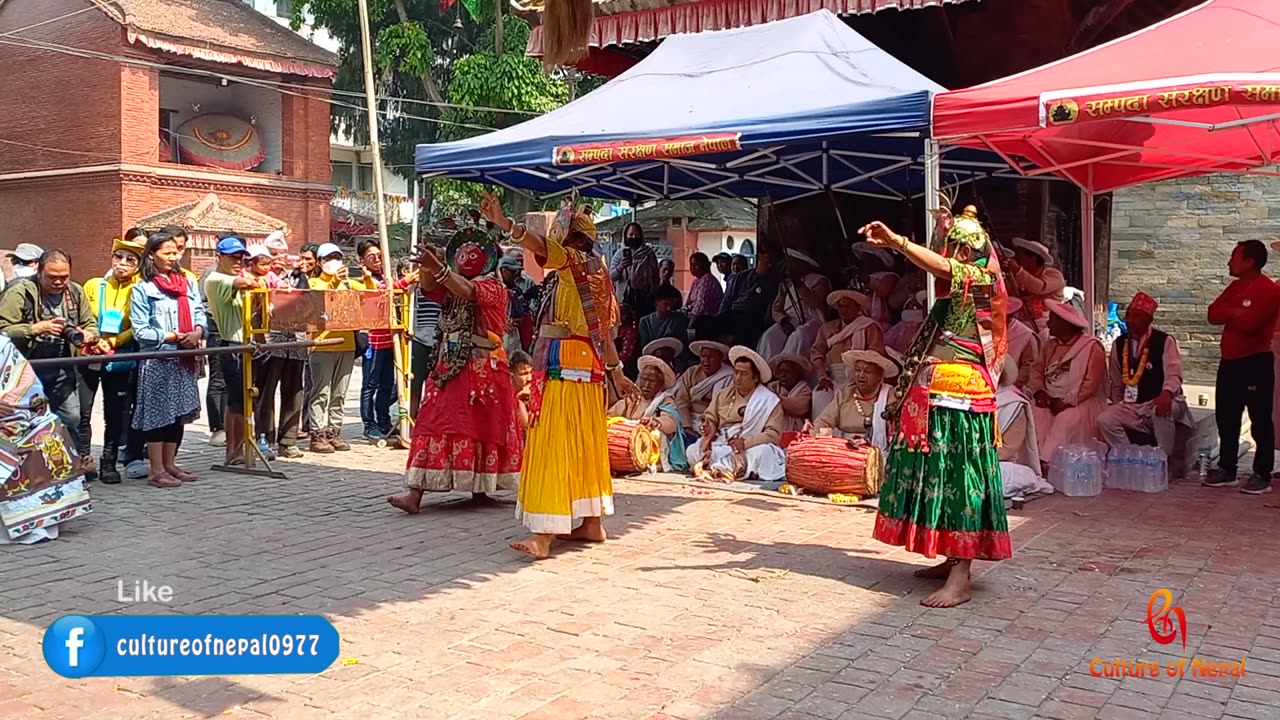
point(249, 392)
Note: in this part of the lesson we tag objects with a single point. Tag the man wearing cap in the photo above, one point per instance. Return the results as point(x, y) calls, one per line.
point(1247, 309)
point(523, 305)
point(24, 259)
point(655, 408)
point(108, 298)
point(858, 407)
point(699, 383)
point(49, 316)
point(1144, 381)
point(277, 370)
point(798, 307)
point(665, 349)
point(705, 294)
point(223, 286)
point(665, 321)
point(1068, 382)
point(742, 428)
point(1037, 282)
point(850, 330)
point(330, 365)
point(791, 385)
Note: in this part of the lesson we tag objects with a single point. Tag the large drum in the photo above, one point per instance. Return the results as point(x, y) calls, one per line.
point(632, 446)
point(827, 466)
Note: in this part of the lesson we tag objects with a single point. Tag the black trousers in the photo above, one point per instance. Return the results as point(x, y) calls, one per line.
point(215, 394)
point(1246, 383)
point(118, 395)
point(270, 373)
point(171, 433)
point(420, 359)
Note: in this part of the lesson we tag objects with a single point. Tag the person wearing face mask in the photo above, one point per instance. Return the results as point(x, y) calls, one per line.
point(108, 298)
point(24, 259)
point(635, 270)
point(331, 365)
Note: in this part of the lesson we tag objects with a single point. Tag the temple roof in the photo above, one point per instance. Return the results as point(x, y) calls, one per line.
point(212, 215)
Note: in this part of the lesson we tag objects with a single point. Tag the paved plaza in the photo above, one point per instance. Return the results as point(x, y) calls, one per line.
point(706, 604)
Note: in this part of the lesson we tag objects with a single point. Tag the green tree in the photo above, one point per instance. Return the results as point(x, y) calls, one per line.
point(445, 58)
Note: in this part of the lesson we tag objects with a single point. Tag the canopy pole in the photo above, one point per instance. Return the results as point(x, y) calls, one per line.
point(413, 231)
point(932, 203)
point(1087, 240)
point(388, 268)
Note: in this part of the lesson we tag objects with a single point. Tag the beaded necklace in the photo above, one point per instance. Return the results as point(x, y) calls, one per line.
point(1132, 378)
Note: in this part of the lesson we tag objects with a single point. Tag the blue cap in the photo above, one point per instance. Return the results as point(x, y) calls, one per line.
point(232, 246)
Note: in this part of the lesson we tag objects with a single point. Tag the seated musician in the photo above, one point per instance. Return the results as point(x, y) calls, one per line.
point(655, 407)
point(668, 350)
point(850, 330)
point(700, 382)
point(791, 384)
point(858, 406)
point(742, 426)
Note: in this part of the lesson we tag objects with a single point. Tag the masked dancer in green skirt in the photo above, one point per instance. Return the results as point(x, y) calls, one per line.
point(942, 494)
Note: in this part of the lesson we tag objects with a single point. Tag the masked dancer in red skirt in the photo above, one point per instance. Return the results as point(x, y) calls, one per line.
point(466, 437)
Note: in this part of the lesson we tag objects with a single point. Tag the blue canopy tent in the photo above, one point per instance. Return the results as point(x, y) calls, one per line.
point(781, 110)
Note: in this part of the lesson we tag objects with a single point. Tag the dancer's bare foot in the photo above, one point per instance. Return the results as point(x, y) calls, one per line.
point(537, 547)
point(410, 501)
point(955, 591)
point(588, 531)
point(936, 572)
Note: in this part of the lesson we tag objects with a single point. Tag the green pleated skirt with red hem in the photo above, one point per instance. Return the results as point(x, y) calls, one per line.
point(947, 501)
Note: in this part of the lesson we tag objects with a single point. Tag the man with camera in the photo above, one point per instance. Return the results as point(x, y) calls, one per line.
point(49, 316)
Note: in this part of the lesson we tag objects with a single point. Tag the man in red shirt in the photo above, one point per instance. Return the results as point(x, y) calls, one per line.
point(1247, 310)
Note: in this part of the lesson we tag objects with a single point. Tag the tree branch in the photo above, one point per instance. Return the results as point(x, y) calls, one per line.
point(428, 83)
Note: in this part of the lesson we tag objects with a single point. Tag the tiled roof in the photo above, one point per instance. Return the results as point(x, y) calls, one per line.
point(217, 24)
point(214, 215)
point(701, 214)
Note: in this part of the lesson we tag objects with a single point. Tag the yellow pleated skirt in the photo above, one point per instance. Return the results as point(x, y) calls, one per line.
point(565, 473)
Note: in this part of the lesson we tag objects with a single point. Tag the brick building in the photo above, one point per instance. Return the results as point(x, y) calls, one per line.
point(96, 91)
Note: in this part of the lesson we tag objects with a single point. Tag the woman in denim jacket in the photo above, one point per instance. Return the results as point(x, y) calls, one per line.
point(167, 314)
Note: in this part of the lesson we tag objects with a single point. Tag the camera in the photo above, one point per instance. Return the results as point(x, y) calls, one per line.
point(73, 335)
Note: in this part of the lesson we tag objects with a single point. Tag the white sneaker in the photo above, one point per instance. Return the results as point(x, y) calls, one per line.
point(218, 439)
point(137, 470)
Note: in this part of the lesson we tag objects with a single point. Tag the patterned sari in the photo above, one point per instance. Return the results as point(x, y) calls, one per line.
point(942, 493)
point(42, 486)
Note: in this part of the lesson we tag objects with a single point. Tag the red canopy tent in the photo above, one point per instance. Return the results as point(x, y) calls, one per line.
point(1197, 93)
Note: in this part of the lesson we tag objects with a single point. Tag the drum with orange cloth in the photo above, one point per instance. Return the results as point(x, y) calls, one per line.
point(826, 466)
point(632, 446)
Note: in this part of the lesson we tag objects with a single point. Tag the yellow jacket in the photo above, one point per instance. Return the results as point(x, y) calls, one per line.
point(348, 338)
point(115, 296)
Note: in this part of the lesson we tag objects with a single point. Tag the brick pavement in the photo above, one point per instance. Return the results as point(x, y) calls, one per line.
point(705, 605)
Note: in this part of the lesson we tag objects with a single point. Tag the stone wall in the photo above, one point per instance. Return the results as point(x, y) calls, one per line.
point(1172, 240)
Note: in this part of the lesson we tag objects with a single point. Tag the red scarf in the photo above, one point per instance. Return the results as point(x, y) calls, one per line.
point(175, 286)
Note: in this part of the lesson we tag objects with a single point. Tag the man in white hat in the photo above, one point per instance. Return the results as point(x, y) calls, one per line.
point(1068, 382)
point(852, 329)
point(665, 349)
point(699, 383)
point(742, 428)
point(858, 407)
point(1037, 282)
point(899, 337)
point(798, 307)
point(791, 383)
point(655, 408)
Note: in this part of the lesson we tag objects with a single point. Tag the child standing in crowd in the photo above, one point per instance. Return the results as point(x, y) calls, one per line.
point(522, 382)
point(331, 365)
point(166, 314)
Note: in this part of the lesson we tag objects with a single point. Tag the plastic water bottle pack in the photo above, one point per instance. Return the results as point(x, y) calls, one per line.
point(1138, 468)
point(1076, 471)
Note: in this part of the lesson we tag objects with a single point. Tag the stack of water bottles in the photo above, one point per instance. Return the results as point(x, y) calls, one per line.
point(1077, 470)
point(1138, 468)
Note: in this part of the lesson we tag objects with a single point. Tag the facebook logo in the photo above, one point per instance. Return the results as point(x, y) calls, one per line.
point(73, 646)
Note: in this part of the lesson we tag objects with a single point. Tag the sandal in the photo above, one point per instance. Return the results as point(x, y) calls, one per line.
point(184, 476)
point(164, 480)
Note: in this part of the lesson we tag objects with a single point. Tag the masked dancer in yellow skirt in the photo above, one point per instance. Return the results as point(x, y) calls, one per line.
point(565, 486)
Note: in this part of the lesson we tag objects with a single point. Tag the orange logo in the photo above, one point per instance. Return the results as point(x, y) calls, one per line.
point(1161, 623)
